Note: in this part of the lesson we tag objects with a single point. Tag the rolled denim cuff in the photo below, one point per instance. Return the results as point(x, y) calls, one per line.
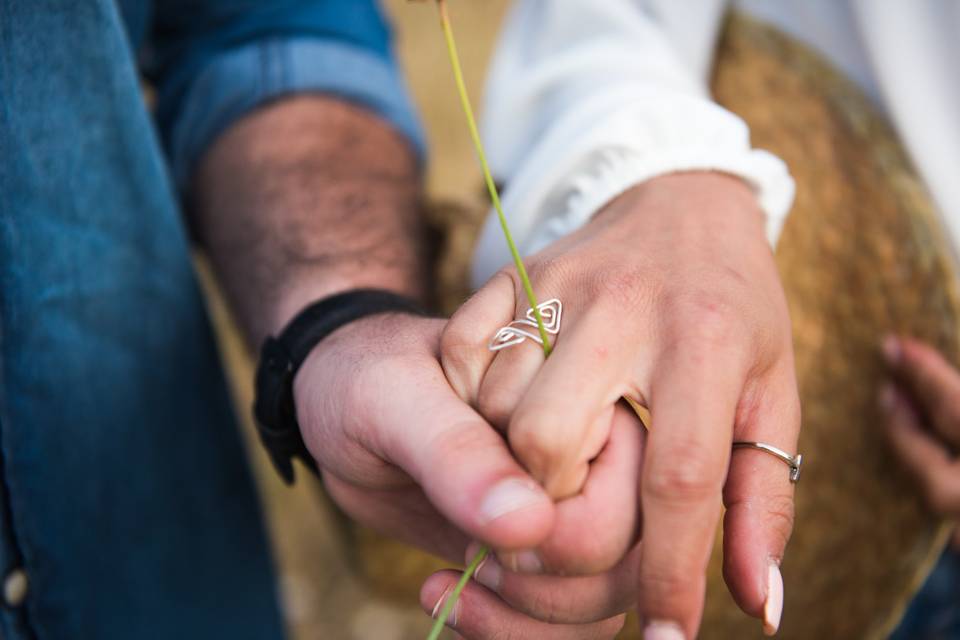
point(244, 78)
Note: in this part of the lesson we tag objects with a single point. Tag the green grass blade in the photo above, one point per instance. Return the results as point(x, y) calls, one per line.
point(487, 176)
point(451, 600)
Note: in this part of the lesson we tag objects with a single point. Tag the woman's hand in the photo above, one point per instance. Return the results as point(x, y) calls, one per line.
point(670, 297)
point(922, 404)
point(513, 595)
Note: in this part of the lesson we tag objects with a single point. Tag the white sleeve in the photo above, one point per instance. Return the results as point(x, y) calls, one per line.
point(587, 98)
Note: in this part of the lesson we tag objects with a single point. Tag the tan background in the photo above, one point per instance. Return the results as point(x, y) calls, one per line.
point(423, 54)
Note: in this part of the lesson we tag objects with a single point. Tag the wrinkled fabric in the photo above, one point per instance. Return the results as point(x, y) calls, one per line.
point(125, 495)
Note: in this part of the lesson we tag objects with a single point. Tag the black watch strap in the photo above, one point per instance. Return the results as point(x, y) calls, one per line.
point(281, 357)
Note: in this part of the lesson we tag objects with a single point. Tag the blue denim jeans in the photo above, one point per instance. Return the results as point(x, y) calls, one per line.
point(935, 612)
point(125, 497)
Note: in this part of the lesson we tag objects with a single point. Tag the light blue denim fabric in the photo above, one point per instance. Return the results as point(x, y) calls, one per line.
point(934, 613)
point(124, 491)
point(214, 60)
point(226, 89)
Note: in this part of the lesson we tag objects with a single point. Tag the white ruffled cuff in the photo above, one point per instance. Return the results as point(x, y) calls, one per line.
point(592, 156)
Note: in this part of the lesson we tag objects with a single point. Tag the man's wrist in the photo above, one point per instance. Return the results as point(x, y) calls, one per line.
point(283, 355)
point(296, 297)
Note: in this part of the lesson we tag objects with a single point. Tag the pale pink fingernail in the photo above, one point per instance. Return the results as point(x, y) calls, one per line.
point(437, 608)
point(662, 630)
point(489, 573)
point(892, 350)
point(524, 562)
point(511, 495)
point(773, 606)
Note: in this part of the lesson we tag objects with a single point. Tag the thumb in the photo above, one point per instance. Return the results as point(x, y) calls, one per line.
point(466, 469)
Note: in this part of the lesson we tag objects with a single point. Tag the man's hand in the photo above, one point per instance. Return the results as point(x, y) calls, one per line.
point(923, 420)
point(670, 297)
point(401, 453)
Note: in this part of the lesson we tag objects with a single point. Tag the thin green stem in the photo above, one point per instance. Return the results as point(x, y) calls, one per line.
point(471, 568)
point(487, 176)
point(451, 600)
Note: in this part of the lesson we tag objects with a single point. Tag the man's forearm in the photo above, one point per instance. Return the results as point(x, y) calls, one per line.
point(304, 198)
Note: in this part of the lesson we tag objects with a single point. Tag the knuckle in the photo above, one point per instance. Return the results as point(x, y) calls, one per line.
point(459, 342)
point(496, 402)
point(665, 587)
point(461, 357)
point(534, 443)
point(627, 286)
point(598, 556)
point(780, 513)
point(602, 543)
point(693, 480)
point(590, 553)
point(509, 272)
point(708, 319)
point(549, 269)
point(724, 313)
point(547, 606)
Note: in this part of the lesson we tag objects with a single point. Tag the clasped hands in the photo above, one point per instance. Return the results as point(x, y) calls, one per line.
point(671, 298)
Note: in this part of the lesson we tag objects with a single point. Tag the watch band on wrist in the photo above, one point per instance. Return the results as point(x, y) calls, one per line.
point(282, 356)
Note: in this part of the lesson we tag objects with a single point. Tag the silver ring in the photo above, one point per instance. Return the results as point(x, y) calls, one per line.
point(793, 462)
point(520, 330)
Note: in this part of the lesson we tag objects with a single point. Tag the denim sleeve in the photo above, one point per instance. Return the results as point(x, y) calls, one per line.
point(215, 60)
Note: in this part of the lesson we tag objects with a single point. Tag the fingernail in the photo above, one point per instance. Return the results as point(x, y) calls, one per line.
point(523, 561)
point(472, 549)
point(509, 496)
point(773, 606)
point(892, 350)
point(887, 397)
point(489, 573)
point(662, 630)
point(437, 608)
